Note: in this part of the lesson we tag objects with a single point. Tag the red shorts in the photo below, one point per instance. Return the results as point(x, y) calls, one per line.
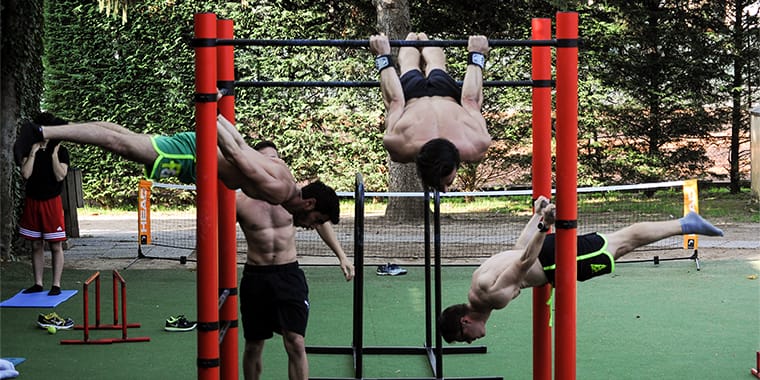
point(43, 220)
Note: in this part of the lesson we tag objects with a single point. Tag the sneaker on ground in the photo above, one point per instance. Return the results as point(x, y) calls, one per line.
point(53, 319)
point(179, 323)
point(390, 270)
point(54, 291)
point(33, 289)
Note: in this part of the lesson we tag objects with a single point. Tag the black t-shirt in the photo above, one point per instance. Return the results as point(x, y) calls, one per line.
point(41, 184)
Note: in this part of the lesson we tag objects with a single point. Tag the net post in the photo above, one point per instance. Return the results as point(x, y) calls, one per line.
point(206, 199)
point(143, 212)
point(567, 198)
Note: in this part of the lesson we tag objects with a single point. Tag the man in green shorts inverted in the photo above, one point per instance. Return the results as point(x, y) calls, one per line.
point(239, 165)
point(531, 263)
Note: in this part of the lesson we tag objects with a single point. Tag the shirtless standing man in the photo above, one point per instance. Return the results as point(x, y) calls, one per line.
point(501, 277)
point(429, 119)
point(273, 290)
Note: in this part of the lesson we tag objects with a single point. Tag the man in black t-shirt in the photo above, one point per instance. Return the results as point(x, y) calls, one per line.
point(44, 168)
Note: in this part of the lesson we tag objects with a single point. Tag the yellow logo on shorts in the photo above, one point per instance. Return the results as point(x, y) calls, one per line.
point(598, 267)
point(170, 169)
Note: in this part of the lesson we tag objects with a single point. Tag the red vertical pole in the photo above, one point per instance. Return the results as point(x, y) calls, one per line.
point(115, 299)
point(97, 300)
point(123, 310)
point(542, 184)
point(206, 200)
point(86, 313)
point(227, 230)
point(567, 202)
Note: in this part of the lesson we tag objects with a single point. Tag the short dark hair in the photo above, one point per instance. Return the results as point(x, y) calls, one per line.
point(450, 322)
point(264, 144)
point(436, 159)
point(326, 199)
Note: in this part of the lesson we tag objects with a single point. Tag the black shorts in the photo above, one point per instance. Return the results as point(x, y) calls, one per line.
point(273, 298)
point(593, 258)
point(438, 83)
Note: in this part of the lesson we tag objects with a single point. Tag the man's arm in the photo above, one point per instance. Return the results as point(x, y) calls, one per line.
point(530, 254)
point(390, 84)
point(327, 233)
point(59, 168)
point(27, 163)
point(272, 180)
point(228, 140)
point(531, 227)
point(472, 86)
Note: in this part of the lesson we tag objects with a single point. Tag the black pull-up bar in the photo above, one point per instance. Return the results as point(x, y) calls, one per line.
point(365, 43)
point(497, 83)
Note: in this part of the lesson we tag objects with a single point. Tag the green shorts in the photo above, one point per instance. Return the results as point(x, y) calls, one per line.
point(176, 157)
point(592, 257)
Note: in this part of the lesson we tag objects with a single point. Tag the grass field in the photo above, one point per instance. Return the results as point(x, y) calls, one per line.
point(642, 322)
point(645, 321)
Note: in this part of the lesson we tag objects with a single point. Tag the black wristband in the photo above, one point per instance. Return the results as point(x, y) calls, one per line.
point(383, 62)
point(477, 59)
point(542, 227)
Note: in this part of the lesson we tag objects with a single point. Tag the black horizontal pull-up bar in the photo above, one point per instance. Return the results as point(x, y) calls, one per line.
point(365, 43)
point(498, 83)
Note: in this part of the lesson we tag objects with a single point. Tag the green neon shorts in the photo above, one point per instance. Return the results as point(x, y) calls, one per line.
point(592, 257)
point(176, 157)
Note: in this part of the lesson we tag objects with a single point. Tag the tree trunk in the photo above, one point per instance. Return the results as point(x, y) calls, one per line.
point(736, 95)
point(20, 90)
point(393, 20)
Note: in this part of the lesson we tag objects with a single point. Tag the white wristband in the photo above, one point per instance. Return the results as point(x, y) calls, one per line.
point(477, 59)
point(383, 62)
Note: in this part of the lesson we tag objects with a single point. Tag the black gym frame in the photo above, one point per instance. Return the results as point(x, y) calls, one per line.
point(365, 43)
point(357, 350)
point(433, 352)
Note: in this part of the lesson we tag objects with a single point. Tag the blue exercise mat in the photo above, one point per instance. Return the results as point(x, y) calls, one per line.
point(15, 361)
point(39, 299)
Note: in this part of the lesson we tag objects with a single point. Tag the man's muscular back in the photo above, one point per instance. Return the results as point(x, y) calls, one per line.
point(431, 117)
point(268, 231)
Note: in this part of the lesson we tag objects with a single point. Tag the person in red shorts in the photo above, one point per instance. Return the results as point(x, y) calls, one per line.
point(44, 168)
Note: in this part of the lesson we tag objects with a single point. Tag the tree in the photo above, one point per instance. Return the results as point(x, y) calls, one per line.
point(393, 20)
point(659, 58)
point(743, 55)
point(20, 89)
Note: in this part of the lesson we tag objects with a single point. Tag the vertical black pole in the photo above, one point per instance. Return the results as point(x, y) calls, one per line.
point(428, 307)
point(437, 242)
point(359, 275)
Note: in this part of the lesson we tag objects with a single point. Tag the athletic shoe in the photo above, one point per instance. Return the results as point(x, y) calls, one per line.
point(390, 270)
point(179, 324)
point(54, 291)
point(33, 289)
point(52, 319)
point(29, 134)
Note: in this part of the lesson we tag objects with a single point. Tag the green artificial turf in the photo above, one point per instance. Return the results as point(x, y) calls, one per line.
point(644, 321)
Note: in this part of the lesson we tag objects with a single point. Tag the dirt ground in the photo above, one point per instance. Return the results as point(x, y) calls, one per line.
point(741, 241)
